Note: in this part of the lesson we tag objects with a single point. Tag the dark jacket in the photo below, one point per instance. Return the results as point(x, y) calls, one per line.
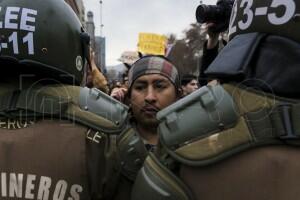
point(208, 56)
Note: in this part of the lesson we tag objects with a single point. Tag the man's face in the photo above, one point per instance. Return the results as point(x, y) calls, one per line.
point(149, 94)
point(190, 87)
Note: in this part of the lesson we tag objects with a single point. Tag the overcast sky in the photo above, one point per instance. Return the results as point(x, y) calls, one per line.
point(124, 19)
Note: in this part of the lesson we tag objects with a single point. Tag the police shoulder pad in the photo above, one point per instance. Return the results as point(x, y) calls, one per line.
point(96, 103)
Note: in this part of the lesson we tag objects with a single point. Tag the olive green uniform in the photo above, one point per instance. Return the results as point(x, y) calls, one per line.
point(57, 140)
point(51, 148)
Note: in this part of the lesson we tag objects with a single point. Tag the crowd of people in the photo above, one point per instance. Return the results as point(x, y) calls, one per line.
point(230, 133)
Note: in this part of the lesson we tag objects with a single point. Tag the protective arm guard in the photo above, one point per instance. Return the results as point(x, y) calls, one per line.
point(209, 109)
point(198, 115)
point(99, 103)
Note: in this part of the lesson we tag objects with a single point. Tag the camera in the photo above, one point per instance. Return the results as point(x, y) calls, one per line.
point(218, 14)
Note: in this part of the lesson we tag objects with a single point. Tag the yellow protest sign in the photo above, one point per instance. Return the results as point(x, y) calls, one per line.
point(150, 43)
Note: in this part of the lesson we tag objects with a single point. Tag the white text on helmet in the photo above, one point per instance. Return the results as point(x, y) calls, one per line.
point(18, 18)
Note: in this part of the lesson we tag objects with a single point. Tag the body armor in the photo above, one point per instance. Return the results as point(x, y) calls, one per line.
point(249, 119)
point(51, 148)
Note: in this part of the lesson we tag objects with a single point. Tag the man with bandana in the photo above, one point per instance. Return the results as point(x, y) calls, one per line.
point(153, 85)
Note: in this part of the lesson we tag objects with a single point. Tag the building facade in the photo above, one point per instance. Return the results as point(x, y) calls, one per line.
point(90, 27)
point(97, 43)
point(100, 46)
point(78, 7)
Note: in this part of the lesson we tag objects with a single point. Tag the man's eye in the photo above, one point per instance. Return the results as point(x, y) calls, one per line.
point(139, 87)
point(160, 85)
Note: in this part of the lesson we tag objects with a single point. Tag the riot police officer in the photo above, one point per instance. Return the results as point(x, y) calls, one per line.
point(238, 140)
point(52, 146)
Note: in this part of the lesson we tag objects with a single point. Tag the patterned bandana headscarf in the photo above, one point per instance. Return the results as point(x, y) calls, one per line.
point(153, 65)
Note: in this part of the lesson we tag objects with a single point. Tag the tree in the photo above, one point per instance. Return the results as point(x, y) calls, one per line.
point(186, 52)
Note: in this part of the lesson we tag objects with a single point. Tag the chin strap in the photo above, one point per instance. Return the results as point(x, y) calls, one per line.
point(85, 40)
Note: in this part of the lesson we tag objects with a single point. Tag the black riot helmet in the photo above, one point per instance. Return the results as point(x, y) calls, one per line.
point(44, 36)
point(263, 51)
point(274, 17)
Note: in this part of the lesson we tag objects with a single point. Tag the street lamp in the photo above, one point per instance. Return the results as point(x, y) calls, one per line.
point(101, 24)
